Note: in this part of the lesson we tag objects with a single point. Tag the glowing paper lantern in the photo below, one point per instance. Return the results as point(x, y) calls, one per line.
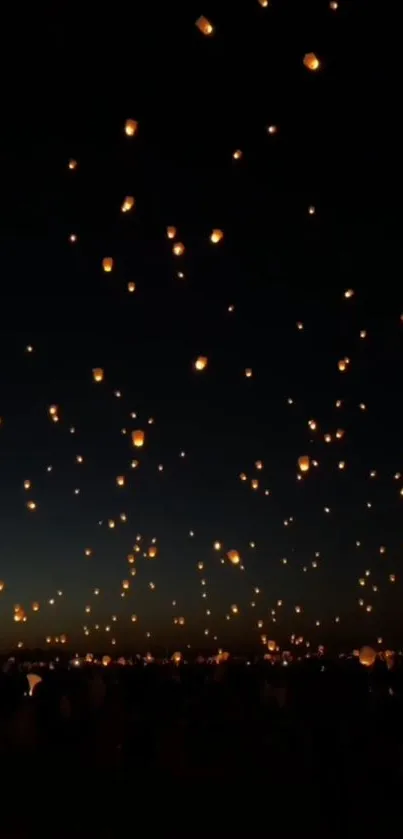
point(106, 659)
point(107, 264)
point(216, 236)
point(234, 557)
point(33, 680)
point(177, 658)
point(271, 646)
point(98, 374)
point(367, 656)
point(311, 62)
point(127, 204)
point(171, 232)
point(201, 363)
point(152, 551)
point(204, 26)
point(131, 126)
point(138, 438)
point(178, 248)
point(304, 463)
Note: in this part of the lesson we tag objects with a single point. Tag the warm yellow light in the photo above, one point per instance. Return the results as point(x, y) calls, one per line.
point(237, 154)
point(107, 264)
point(234, 557)
point(138, 438)
point(171, 232)
point(131, 126)
point(204, 26)
point(72, 163)
point(131, 286)
point(367, 656)
point(311, 61)
point(248, 372)
point(216, 236)
point(178, 248)
point(127, 204)
point(201, 362)
point(304, 463)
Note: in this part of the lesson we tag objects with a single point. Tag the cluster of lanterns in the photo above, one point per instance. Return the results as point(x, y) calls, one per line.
point(136, 438)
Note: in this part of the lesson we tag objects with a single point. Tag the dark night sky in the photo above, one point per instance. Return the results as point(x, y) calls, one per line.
point(73, 83)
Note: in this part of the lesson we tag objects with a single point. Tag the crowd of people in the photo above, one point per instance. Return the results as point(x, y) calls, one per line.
point(230, 746)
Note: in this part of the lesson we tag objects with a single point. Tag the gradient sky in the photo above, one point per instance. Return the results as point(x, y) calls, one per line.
point(197, 100)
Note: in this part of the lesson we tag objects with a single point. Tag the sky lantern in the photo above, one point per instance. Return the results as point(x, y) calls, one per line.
point(311, 61)
point(272, 129)
point(107, 264)
point(72, 164)
point(342, 365)
point(171, 232)
point(131, 287)
point(367, 656)
point(131, 126)
point(216, 236)
point(204, 26)
point(31, 505)
point(178, 248)
point(138, 438)
point(234, 557)
point(127, 204)
point(304, 463)
point(120, 480)
point(237, 154)
point(201, 363)
point(177, 658)
point(248, 372)
point(35, 606)
point(1, 585)
point(27, 484)
point(152, 551)
point(33, 680)
point(125, 585)
point(271, 646)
